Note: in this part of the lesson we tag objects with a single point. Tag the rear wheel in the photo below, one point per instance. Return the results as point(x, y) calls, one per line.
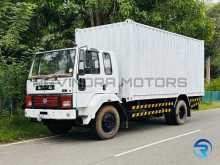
point(59, 127)
point(178, 116)
point(107, 122)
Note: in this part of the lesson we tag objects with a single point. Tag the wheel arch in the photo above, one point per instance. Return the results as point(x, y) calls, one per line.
point(121, 110)
point(98, 101)
point(186, 99)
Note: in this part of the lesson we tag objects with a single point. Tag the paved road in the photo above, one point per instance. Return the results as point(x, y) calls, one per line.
point(146, 142)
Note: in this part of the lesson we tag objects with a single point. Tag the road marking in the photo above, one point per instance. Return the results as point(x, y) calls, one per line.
point(155, 143)
point(26, 141)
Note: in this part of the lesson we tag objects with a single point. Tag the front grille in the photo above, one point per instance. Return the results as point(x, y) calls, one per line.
point(46, 101)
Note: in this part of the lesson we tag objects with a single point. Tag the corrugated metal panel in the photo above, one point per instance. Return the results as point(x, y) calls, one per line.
point(146, 52)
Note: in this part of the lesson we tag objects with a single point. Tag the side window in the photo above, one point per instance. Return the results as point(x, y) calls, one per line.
point(92, 65)
point(107, 63)
point(82, 61)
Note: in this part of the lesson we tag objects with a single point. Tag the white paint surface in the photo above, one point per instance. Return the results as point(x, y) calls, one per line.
point(146, 52)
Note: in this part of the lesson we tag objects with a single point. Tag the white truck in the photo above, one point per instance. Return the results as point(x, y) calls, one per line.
point(116, 73)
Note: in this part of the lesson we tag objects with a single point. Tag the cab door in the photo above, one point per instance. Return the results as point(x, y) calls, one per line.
point(90, 76)
point(109, 73)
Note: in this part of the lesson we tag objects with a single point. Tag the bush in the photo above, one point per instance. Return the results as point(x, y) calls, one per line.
point(214, 85)
point(12, 85)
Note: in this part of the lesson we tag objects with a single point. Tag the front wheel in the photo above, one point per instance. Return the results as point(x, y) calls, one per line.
point(107, 122)
point(59, 127)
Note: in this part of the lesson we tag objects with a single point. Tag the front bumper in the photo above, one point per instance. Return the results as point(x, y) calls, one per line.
point(41, 114)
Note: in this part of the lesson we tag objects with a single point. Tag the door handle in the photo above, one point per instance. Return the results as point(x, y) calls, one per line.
point(82, 84)
point(104, 87)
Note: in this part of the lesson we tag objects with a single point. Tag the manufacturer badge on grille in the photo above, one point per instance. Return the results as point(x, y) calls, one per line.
point(44, 100)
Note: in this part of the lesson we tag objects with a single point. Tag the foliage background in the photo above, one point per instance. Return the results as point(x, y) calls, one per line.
point(27, 26)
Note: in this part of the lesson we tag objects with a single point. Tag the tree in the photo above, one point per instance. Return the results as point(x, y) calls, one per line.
point(55, 23)
point(186, 17)
point(28, 26)
point(15, 19)
point(102, 12)
point(213, 48)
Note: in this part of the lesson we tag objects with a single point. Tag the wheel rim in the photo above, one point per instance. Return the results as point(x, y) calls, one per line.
point(108, 122)
point(182, 112)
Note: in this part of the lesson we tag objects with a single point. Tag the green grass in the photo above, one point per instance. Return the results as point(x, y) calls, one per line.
point(210, 105)
point(19, 128)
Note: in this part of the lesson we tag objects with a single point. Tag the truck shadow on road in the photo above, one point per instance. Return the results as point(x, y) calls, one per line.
point(87, 134)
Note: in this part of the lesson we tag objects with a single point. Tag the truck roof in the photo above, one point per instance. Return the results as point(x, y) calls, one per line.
point(139, 24)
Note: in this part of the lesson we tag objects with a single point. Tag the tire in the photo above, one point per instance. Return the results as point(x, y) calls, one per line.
point(179, 116)
point(168, 118)
point(107, 122)
point(59, 127)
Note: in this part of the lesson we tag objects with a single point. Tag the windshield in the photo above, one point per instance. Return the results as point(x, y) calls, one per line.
point(54, 63)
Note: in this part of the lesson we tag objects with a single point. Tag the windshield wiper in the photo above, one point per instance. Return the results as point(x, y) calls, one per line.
point(50, 76)
point(39, 77)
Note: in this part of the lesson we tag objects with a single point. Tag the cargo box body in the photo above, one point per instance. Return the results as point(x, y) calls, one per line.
point(152, 63)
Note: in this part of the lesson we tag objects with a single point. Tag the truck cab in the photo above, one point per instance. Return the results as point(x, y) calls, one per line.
point(68, 86)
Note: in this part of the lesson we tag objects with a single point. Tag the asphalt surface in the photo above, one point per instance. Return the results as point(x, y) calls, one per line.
point(146, 142)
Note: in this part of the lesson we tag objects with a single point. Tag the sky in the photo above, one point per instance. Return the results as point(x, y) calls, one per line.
point(213, 1)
